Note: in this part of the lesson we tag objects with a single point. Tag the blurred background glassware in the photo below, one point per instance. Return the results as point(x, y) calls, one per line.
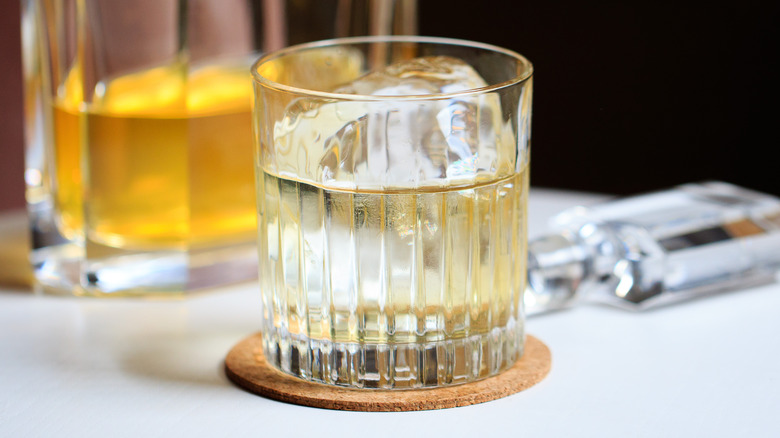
point(392, 209)
point(138, 136)
point(657, 248)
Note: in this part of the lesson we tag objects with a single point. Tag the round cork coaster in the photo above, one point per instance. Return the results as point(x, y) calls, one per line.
point(246, 366)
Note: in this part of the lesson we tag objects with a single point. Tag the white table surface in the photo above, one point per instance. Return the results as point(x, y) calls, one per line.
point(91, 368)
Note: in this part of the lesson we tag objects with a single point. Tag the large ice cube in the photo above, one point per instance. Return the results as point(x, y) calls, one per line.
point(415, 141)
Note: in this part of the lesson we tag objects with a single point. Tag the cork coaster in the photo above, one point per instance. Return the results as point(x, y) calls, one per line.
point(247, 368)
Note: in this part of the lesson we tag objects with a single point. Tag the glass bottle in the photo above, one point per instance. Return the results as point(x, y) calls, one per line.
point(657, 248)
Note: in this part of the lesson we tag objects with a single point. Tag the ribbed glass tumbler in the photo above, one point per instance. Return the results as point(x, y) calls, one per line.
point(392, 181)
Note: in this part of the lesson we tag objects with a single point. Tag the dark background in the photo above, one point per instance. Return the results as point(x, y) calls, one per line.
point(635, 96)
point(628, 97)
point(11, 137)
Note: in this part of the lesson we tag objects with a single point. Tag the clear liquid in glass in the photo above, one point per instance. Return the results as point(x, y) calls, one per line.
point(383, 286)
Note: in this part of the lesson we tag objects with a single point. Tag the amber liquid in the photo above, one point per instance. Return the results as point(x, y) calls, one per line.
point(160, 159)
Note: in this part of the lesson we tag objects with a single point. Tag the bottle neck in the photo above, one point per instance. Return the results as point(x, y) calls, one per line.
point(557, 265)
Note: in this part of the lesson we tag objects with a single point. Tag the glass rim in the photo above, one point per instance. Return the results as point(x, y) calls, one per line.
point(517, 79)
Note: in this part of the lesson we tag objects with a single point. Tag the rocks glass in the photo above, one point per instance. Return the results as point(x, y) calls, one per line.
point(392, 184)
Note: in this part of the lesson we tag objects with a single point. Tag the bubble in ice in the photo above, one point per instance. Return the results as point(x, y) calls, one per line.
point(405, 142)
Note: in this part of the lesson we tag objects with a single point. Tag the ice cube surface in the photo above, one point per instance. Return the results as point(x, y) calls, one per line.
point(433, 139)
point(417, 76)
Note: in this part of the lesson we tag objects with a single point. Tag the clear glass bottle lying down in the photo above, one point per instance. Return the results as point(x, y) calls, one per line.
point(655, 249)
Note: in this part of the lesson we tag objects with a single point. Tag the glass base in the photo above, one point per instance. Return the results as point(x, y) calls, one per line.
point(396, 366)
point(63, 270)
point(64, 267)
